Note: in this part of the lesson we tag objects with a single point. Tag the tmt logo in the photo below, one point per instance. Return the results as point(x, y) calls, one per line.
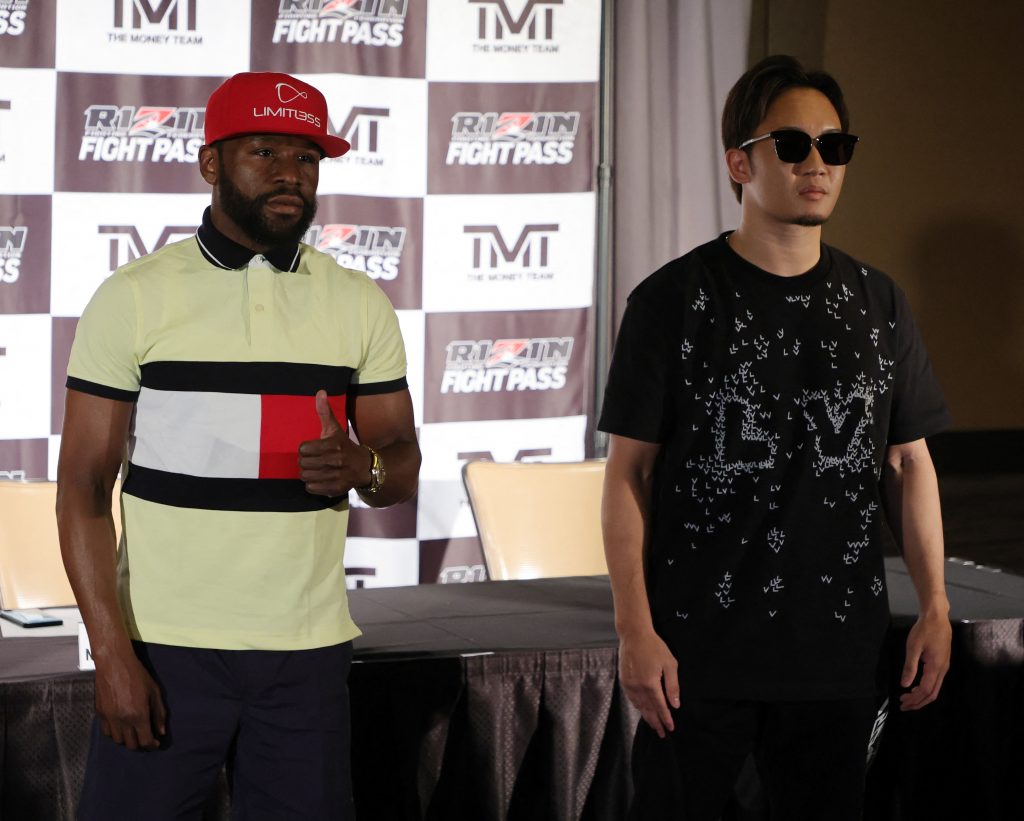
point(12, 246)
point(126, 242)
point(527, 253)
point(356, 577)
point(496, 21)
point(169, 15)
point(362, 130)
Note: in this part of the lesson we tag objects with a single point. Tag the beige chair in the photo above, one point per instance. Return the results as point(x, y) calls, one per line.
point(538, 519)
point(31, 571)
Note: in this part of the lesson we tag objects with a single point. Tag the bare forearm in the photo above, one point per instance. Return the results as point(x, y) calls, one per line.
point(648, 670)
point(623, 546)
point(88, 549)
point(913, 493)
point(625, 509)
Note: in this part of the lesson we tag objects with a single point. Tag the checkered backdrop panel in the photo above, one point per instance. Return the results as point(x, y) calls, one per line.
point(468, 195)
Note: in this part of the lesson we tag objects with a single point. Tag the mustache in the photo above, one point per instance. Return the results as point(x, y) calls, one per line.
point(285, 192)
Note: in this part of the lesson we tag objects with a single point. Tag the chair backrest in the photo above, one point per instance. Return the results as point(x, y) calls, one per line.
point(31, 570)
point(538, 519)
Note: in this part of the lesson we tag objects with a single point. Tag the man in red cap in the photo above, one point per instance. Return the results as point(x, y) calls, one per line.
point(220, 375)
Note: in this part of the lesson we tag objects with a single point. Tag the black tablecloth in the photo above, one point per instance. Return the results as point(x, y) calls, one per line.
point(499, 700)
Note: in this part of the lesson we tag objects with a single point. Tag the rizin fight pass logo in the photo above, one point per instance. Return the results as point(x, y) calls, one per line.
point(373, 249)
point(12, 17)
point(486, 366)
point(160, 22)
point(142, 133)
point(12, 245)
point(513, 138)
point(351, 22)
point(532, 31)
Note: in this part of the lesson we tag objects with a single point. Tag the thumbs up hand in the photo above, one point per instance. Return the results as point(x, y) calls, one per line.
point(333, 464)
point(328, 424)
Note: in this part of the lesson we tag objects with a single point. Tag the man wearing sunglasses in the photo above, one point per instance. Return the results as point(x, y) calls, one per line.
point(768, 397)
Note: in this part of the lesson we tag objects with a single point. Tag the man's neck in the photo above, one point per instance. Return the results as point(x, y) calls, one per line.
point(783, 250)
point(229, 228)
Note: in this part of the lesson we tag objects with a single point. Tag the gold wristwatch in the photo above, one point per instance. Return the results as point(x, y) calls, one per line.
point(376, 473)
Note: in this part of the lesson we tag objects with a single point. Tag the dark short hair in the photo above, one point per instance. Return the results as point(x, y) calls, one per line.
point(749, 100)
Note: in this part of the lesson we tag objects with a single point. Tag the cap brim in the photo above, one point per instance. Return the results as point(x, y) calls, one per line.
point(331, 146)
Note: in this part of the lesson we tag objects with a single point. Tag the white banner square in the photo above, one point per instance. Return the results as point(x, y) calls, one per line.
point(514, 40)
point(181, 37)
point(381, 562)
point(28, 100)
point(385, 120)
point(25, 376)
point(508, 252)
point(93, 234)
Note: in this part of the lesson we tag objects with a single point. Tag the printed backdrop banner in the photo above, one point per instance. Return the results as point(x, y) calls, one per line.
point(468, 196)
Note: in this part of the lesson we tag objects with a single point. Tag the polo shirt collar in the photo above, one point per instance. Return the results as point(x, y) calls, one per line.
point(225, 253)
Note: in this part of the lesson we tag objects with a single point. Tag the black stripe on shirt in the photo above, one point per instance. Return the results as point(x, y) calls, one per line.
point(372, 388)
point(181, 490)
point(289, 378)
point(96, 389)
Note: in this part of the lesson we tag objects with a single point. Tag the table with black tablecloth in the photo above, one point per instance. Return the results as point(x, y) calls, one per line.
point(499, 700)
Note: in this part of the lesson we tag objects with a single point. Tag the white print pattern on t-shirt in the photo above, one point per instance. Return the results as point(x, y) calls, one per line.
point(739, 409)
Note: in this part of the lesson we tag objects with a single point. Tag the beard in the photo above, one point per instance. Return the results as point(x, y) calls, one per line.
point(248, 214)
point(809, 221)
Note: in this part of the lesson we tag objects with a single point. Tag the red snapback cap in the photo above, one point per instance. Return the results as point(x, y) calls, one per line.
point(266, 102)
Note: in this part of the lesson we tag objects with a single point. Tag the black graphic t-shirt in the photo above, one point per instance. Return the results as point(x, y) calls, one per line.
point(774, 399)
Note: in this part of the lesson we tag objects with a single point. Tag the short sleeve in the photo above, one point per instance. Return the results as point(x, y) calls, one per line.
point(918, 407)
point(383, 365)
point(104, 356)
point(637, 397)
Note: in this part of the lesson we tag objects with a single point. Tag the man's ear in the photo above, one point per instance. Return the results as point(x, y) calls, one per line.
point(737, 161)
point(208, 165)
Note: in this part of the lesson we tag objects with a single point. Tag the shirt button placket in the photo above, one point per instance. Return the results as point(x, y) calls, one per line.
point(261, 277)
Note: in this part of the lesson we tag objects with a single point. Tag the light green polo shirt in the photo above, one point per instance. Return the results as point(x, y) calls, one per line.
point(222, 353)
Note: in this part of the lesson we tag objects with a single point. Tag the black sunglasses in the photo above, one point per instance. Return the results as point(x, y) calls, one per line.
point(834, 147)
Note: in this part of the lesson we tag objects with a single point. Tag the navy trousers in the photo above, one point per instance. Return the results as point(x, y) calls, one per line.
point(278, 719)
point(811, 757)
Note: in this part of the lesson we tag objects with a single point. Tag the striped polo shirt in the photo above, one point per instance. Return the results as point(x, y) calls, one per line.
point(223, 351)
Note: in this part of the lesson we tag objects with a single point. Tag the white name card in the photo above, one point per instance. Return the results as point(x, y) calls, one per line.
point(85, 660)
